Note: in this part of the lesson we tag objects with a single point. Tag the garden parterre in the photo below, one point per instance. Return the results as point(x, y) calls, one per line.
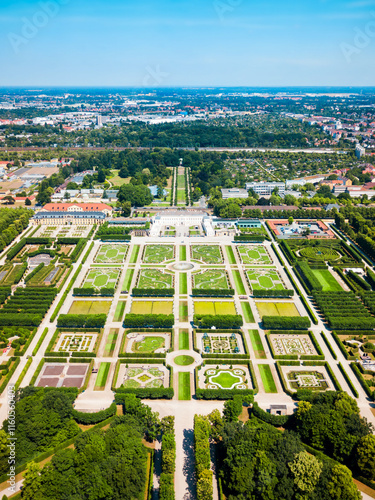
point(209, 254)
point(254, 254)
point(156, 254)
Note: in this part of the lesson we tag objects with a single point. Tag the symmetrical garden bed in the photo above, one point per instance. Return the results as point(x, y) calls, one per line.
point(209, 254)
point(156, 254)
point(254, 254)
point(111, 253)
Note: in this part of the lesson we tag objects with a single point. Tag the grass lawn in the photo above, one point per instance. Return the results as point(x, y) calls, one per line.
point(211, 279)
point(151, 307)
point(184, 386)
point(156, 254)
point(183, 311)
point(277, 309)
point(267, 379)
point(183, 252)
point(183, 283)
point(226, 379)
point(183, 339)
point(184, 360)
point(119, 313)
point(214, 308)
point(326, 279)
point(149, 344)
point(256, 342)
point(128, 280)
point(230, 254)
point(247, 312)
point(111, 342)
point(180, 196)
point(90, 307)
point(134, 255)
point(238, 282)
point(102, 376)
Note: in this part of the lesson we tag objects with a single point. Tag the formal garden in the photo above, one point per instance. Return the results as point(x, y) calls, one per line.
point(212, 279)
point(138, 376)
point(76, 342)
point(154, 279)
point(264, 279)
point(156, 254)
point(227, 377)
point(147, 343)
point(313, 380)
point(62, 375)
point(221, 343)
point(254, 254)
point(111, 253)
point(208, 254)
point(99, 278)
point(295, 345)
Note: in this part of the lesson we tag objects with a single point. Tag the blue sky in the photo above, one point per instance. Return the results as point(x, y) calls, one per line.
point(187, 43)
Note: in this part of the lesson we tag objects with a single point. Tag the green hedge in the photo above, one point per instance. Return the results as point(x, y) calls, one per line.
point(153, 292)
point(273, 293)
point(94, 418)
point(286, 322)
point(221, 321)
point(348, 381)
point(328, 344)
point(362, 381)
point(149, 320)
point(146, 393)
point(214, 292)
point(275, 420)
point(81, 320)
point(202, 453)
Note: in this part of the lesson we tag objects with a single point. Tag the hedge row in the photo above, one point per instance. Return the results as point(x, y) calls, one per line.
point(149, 320)
point(203, 470)
point(275, 420)
point(146, 393)
point(81, 320)
point(94, 418)
point(214, 292)
point(92, 292)
point(348, 381)
point(286, 322)
point(328, 344)
point(273, 293)
point(168, 465)
point(362, 381)
point(359, 281)
point(222, 321)
point(153, 292)
point(308, 276)
point(34, 271)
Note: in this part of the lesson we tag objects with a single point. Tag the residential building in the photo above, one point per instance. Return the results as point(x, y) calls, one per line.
point(234, 193)
point(359, 151)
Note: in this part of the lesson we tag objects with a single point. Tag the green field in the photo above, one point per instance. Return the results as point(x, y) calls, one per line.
point(101, 278)
point(214, 308)
point(183, 340)
point(102, 376)
point(211, 279)
point(183, 311)
point(110, 343)
point(119, 313)
point(149, 345)
point(230, 254)
point(183, 284)
point(238, 282)
point(153, 278)
point(264, 279)
point(184, 386)
point(151, 307)
point(183, 252)
point(90, 307)
point(247, 312)
point(128, 280)
point(210, 254)
point(267, 379)
point(134, 255)
point(155, 254)
point(184, 360)
point(326, 279)
point(257, 345)
point(277, 309)
point(111, 254)
point(254, 254)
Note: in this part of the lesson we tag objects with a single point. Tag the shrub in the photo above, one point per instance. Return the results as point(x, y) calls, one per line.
point(286, 322)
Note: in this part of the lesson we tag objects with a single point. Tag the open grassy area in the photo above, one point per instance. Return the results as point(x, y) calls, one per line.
point(277, 309)
point(111, 253)
point(183, 340)
point(149, 345)
point(110, 342)
point(134, 255)
point(184, 386)
point(230, 254)
point(183, 252)
point(257, 345)
point(102, 376)
point(267, 379)
point(183, 283)
point(238, 282)
point(202, 308)
point(183, 311)
point(90, 307)
point(151, 307)
point(128, 280)
point(211, 279)
point(119, 313)
point(154, 278)
point(184, 360)
point(327, 280)
point(247, 312)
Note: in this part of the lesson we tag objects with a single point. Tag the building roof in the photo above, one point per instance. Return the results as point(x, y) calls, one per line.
point(262, 208)
point(76, 215)
point(86, 207)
